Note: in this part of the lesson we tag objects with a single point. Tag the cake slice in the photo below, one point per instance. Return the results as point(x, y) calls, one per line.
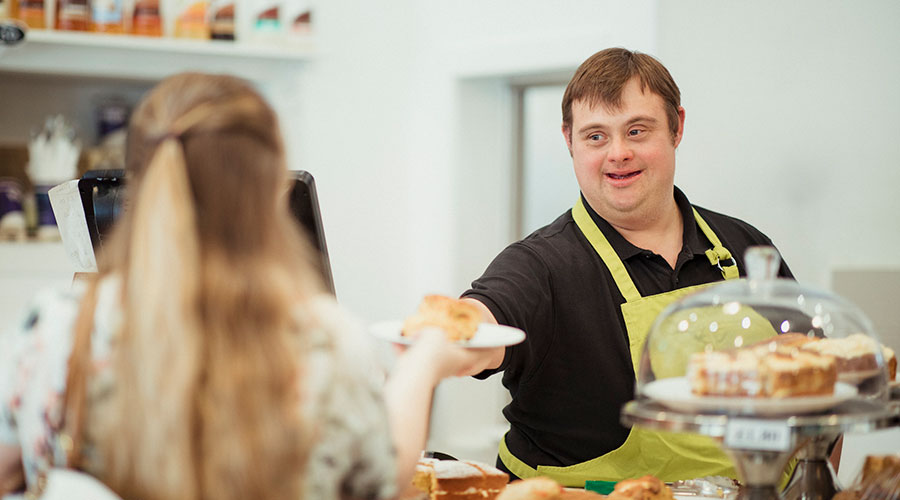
point(890, 359)
point(855, 355)
point(458, 479)
point(766, 370)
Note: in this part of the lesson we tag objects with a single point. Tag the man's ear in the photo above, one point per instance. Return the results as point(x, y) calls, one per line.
point(680, 133)
point(567, 135)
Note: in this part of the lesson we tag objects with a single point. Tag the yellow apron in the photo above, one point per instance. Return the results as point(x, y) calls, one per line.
point(668, 456)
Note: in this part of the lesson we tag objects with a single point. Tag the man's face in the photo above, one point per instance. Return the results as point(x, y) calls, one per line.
point(624, 159)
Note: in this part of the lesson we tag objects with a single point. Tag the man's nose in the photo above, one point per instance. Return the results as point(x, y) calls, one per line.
point(619, 150)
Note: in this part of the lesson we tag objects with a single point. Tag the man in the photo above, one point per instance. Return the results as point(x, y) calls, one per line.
point(587, 287)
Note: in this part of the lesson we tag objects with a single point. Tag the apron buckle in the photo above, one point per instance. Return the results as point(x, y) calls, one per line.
point(729, 262)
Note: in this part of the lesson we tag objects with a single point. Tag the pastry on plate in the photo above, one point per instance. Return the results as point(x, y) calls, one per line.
point(457, 318)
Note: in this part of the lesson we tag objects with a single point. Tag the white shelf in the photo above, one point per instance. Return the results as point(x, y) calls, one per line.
point(145, 58)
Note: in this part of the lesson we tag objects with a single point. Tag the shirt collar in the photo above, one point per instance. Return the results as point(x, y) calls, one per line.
point(624, 249)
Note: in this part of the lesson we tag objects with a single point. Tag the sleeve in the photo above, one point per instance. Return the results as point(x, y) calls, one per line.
point(13, 342)
point(353, 456)
point(33, 365)
point(517, 289)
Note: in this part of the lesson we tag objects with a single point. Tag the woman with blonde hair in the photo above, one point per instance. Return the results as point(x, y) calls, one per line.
point(205, 361)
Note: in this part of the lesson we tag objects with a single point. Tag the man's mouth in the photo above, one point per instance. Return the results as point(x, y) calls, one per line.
point(623, 176)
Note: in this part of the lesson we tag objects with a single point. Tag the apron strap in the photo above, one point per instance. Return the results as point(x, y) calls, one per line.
point(718, 254)
point(605, 250)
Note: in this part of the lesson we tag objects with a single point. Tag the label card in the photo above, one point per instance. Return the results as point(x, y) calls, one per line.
point(768, 435)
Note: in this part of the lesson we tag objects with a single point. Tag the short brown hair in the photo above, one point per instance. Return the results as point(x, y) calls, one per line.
point(601, 78)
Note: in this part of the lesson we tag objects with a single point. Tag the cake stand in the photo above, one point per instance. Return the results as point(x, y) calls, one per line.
point(814, 478)
point(762, 446)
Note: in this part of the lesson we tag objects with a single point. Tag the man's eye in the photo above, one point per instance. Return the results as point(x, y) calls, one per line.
point(635, 132)
point(595, 137)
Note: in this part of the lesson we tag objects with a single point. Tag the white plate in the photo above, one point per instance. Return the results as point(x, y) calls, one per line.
point(676, 394)
point(487, 335)
point(856, 377)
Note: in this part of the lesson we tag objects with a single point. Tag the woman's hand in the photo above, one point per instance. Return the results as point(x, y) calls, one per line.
point(452, 359)
point(443, 358)
point(12, 477)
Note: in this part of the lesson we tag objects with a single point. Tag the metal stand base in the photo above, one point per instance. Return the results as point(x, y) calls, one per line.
point(814, 478)
point(759, 471)
point(758, 493)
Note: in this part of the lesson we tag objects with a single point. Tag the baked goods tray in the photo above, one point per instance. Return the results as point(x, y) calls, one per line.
point(851, 416)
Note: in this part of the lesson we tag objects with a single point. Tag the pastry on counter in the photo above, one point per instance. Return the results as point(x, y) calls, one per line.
point(458, 479)
point(877, 466)
point(457, 318)
point(544, 488)
point(880, 480)
point(535, 488)
point(643, 488)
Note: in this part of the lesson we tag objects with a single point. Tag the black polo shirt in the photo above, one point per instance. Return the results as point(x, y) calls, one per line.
point(572, 374)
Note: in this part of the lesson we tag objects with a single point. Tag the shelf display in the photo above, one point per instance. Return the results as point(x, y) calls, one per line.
point(146, 19)
point(266, 21)
point(31, 12)
point(100, 55)
point(108, 16)
point(222, 20)
point(73, 15)
point(191, 19)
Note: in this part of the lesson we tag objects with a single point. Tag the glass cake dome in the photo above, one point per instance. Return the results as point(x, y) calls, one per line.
point(762, 346)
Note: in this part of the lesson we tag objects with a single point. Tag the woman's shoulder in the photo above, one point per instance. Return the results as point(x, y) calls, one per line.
point(333, 332)
point(48, 315)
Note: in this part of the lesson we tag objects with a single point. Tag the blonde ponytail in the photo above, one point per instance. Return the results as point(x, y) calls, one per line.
point(208, 366)
point(163, 340)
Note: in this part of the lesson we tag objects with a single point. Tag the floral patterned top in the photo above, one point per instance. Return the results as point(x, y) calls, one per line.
point(352, 458)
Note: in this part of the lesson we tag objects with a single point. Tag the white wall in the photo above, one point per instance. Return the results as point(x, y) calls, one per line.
point(792, 123)
point(549, 187)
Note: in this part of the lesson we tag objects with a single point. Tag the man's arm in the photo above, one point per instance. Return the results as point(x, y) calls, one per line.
point(491, 358)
